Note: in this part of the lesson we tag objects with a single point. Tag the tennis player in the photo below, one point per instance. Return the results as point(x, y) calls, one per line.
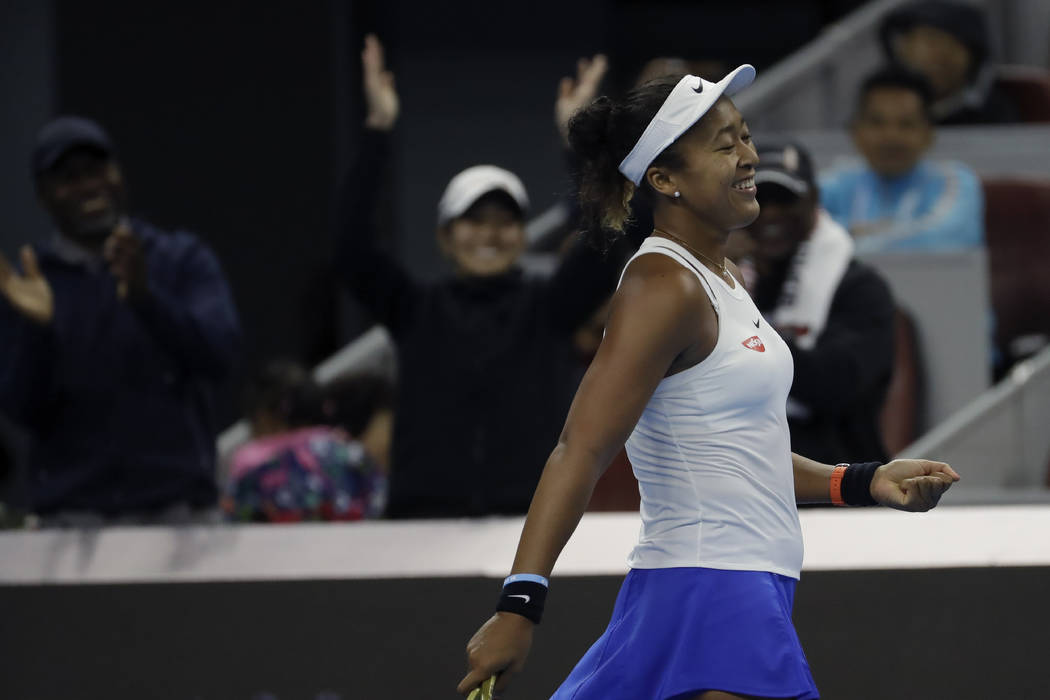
point(695, 380)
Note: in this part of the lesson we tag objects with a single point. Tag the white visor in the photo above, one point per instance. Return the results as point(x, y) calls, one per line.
point(468, 187)
point(690, 100)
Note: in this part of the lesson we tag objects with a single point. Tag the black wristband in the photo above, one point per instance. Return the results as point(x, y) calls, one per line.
point(523, 598)
point(856, 484)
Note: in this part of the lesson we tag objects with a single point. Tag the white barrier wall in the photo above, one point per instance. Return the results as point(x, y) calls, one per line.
point(836, 540)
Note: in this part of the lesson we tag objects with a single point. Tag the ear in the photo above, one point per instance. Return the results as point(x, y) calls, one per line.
point(931, 136)
point(43, 192)
point(114, 171)
point(853, 126)
point(523, 234)
point(444, 235)
point(812, 204)
point(661, 180)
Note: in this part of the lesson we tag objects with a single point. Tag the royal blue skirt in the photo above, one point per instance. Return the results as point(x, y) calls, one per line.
point(678, 632)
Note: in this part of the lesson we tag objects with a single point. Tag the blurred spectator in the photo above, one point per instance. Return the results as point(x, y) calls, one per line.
point(363, 406)
point(485, 358)
point(949, 44)
point(295, 468)
point(898, 200)
point(115, 333)
point(836, 314)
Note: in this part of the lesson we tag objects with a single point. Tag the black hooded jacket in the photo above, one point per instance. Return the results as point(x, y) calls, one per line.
point(981, 102)
point(486, 366)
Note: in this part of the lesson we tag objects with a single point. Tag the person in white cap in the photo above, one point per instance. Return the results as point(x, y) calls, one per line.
point(695, 380)
point(485, 357)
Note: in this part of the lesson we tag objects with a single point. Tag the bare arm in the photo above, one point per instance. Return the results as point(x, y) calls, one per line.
point(660, 320)
point(812, 480)
point(659, 314)
point(905, 484)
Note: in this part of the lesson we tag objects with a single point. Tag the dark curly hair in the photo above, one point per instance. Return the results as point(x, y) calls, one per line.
point(601, 135)
point(284, 390)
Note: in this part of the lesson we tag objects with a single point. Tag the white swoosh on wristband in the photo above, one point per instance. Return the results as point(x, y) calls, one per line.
point(527, 598)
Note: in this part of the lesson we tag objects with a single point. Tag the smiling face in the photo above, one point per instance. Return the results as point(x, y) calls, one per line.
point(892, 130)
point(716, 177)
point(786, 220)
point(84, 193)
point(487, 240)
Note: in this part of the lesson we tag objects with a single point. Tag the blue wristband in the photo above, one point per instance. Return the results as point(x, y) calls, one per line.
point(534, 578)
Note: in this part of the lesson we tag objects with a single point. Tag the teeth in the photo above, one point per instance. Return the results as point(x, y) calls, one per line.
point(744, 184)
point(94, 204)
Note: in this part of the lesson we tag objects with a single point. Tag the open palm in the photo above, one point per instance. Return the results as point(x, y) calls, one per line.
point(30, 292)
point(576, 93)
point(381, 99)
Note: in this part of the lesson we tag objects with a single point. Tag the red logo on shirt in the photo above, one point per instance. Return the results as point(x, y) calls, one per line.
point(754, 343)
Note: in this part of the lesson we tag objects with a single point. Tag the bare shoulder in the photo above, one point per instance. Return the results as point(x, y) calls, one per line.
point(660, 295)
point(661, 276)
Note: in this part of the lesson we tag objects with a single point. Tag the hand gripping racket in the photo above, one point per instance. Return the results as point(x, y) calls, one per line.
point(483, 691)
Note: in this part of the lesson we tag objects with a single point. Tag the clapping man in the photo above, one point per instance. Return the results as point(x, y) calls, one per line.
point(115, 334)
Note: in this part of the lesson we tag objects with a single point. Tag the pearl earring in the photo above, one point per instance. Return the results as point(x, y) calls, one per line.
point(677, 194)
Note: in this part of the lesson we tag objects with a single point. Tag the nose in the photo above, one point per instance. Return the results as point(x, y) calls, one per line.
point(488, 233)
point(748, 156)
point(87, 184)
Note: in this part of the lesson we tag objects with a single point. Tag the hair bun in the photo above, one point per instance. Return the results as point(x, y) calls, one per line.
point(601, 135)
point(589, 129)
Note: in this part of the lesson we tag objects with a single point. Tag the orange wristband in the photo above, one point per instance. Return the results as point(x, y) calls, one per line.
point(836, 484)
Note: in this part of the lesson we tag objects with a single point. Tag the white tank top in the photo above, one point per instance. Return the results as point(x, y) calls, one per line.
point(712, 452)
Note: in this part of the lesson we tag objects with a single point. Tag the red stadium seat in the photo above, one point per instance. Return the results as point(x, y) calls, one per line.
point(903, 406)
point(1017, 232)
point(1028, 88)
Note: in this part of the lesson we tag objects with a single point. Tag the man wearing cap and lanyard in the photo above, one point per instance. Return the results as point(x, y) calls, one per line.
point(115, 335)
point(836, 314)
point(485, 358)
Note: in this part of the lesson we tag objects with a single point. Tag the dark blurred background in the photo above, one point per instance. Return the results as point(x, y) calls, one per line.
point(233, 120)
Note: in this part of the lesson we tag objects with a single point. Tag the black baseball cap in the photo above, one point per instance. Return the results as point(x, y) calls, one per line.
point(59, 135)
point(787, 165)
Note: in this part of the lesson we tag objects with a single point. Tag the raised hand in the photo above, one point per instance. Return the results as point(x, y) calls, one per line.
point(383, 104)
point(576, 93)
point(127, 262)
point(30, 293)
point(912, 484)
point(499, 648)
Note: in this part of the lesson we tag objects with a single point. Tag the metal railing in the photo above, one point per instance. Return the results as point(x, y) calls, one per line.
point(373, 350)
point(814, 87)
point(1001, 439)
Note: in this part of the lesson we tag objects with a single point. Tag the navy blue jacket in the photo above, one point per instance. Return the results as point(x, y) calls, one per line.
point(119, 396)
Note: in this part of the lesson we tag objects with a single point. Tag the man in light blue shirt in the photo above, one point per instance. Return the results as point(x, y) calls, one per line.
point(897, 200)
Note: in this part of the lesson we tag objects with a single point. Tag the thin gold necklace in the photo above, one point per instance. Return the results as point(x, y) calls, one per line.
point(721, 267)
